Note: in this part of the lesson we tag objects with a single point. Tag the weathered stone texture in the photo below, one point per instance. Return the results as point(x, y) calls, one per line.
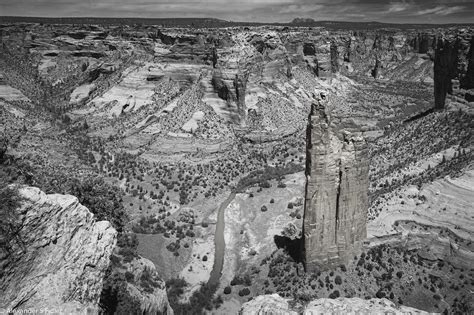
point(275, 304)
point(336, 192)
point(60, 259)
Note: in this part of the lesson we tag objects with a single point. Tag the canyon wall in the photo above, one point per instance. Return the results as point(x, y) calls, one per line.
point(232, 63)
point(336, 201)
point(454, 67)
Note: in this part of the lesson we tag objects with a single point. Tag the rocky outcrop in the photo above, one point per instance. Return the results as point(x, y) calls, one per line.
point(150, 292)
point(467, 81)
point(453, 61)
point(230, 86)
point(267, 304)
point(336, 201)
point(59, 259)
point(275, 304)
point(444, 70)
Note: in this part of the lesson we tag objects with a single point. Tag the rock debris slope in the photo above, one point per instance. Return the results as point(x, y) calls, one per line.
point(336, 199)
point(60, 257)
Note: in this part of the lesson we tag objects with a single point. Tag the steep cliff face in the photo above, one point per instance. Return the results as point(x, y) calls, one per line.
point(60, 257)
point(454, 63)
point(274, 304)
point(384, 54)
point(444, 70)
point(336, 200)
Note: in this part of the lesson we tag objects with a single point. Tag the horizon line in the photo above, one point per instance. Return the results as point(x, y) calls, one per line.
point(223, 20)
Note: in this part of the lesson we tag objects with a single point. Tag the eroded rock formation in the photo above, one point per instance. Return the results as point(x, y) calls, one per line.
point(336, 200)
point(453, 62)
point(275, 304)
point(59, 259)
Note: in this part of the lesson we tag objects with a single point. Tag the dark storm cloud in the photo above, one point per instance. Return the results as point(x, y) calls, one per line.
point(404, 11)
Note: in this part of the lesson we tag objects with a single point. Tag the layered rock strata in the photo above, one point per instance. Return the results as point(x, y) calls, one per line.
point(336, 199)
point(58, 259)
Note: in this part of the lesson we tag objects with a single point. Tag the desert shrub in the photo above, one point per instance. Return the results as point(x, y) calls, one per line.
point(263, 208)
point(101, 198)
point(290, 205)
point(149, 281)
point(338, 280)
point(237, 281)
point(334, 295)
point(244, 292)
point(115, 298)
point(281, 185)
point(129, 277)
point(227, 290)
point(201, 300)
point(204, 258)
point(265, 184)
point(174, 288)
point(128, 254)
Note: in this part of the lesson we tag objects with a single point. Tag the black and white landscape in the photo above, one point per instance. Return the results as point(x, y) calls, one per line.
point(197, 165)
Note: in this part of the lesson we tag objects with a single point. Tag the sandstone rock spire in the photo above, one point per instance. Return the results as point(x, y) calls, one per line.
point(336, 199)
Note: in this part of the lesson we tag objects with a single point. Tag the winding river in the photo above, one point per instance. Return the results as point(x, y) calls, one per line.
point(219, 242)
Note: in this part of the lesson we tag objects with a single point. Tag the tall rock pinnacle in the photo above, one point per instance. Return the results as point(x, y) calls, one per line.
point(336, 201)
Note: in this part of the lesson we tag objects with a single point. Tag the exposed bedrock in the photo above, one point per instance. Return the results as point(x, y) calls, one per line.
point(423, 43)
point(453, 61)
point(275, 304)
point(58, 259)
point(231, 86)
point(467, 82)
point(444, 70)
point(403, 55)
point(336, 199)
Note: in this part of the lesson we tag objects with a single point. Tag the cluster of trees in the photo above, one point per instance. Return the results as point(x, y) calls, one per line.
point(262, 176)
point(201, 302)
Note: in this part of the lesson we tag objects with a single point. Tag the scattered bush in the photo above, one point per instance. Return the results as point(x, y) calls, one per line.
point(244, 292)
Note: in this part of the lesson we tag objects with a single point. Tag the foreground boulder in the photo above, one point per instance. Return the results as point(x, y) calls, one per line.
point(275, 304)
point(58, 259)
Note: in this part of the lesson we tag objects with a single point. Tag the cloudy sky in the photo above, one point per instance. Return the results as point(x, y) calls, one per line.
point(398, 11)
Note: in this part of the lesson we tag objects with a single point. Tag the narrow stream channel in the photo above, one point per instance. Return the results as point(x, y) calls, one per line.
point(219, 242)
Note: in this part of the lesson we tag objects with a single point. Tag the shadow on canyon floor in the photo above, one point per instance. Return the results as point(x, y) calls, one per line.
point(292, 246)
